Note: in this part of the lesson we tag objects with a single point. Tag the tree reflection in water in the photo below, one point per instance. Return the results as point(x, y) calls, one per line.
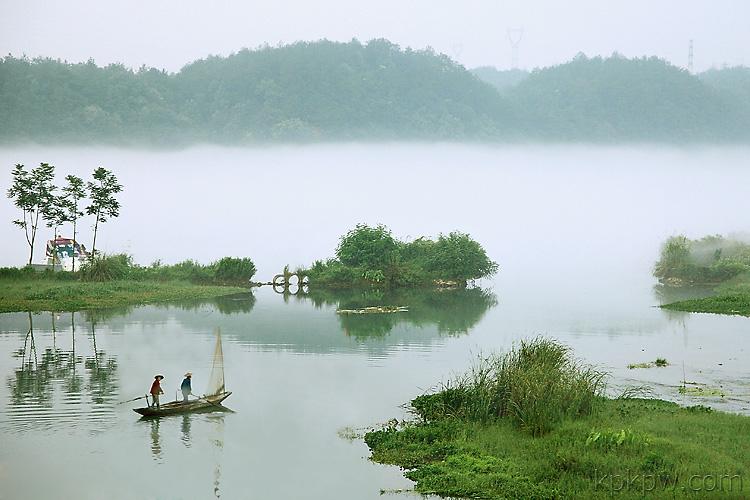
point(453, 311)
point(33, 385)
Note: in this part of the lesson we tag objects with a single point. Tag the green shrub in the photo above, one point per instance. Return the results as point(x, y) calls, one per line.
point(458, 257)
point(16, 273)
point(367, 247)
point(107, 267)
point(709, 260)
point(535, 385)
point(233, 270)
point(370, 255)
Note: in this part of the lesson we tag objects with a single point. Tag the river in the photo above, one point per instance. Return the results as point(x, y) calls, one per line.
point(575, 231)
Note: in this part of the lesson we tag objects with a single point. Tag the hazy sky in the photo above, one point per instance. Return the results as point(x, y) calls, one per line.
point(170, 33)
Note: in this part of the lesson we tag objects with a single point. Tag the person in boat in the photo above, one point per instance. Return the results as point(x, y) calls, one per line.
point(186, 388)
point(156, 390)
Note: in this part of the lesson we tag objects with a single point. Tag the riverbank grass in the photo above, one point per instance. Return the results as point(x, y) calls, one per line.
point(57, 295)
point(587, 446)
point(731, 298)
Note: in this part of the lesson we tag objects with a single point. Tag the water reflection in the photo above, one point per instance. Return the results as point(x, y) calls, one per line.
point(453, 311)
point(185, 428)
point(155, 439)
point(291, 324)
point(55, 370)
point(210, 426)
point(668, 294)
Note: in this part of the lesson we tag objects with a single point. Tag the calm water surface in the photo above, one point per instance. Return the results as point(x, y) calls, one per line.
point(575, 232)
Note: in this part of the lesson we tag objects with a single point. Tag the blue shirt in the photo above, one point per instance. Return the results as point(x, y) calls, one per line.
point(186, 385)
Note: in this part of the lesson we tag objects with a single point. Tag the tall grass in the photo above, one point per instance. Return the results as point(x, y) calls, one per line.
point(536, 384)
point(107, 268)
point(227, 271)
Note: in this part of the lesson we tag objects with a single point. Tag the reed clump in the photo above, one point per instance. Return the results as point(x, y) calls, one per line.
point(535, 385)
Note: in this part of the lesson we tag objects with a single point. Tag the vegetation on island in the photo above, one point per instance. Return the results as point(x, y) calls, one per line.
point(114, 280)
point(723, 264)
point(533, 423)
point(323, 90)
point(371, 256)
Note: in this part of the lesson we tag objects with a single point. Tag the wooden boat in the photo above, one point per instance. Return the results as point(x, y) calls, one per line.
point(209, 403)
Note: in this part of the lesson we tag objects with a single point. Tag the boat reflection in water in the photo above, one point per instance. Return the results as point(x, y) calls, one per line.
point(209, 424)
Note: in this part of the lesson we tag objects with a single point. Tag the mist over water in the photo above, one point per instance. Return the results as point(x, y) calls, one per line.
point(562, 208)
point(575, 231)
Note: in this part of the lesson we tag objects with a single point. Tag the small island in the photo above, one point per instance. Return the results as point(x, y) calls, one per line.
point(720, 265)
point(370, 256)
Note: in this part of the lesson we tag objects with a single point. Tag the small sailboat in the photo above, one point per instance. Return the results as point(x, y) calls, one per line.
point(211, 401)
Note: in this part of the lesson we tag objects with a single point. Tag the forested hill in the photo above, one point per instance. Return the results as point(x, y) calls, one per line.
point(374, 91)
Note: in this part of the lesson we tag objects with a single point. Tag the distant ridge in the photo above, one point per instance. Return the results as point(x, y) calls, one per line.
point(330, 91)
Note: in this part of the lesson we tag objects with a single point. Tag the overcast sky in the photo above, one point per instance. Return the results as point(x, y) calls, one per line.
point(170, 33)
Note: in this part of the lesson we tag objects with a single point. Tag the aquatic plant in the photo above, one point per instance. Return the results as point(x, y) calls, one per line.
point(660, 362)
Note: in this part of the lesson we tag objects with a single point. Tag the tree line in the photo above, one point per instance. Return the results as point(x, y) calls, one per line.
point(324, 90)
point(40, 201)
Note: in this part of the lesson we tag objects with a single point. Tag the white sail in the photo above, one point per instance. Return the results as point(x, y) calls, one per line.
point(216, 380)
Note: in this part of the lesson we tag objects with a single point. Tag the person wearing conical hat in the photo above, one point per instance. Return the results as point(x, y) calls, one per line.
point(156, 390)
point(186, 388)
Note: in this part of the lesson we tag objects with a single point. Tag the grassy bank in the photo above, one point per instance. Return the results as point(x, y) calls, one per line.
point(732, 297)
point(480, 437)
point(114, 280)
point(59, 295)
point(712, 261)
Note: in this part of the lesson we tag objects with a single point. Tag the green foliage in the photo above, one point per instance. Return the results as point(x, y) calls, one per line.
point(107, 268)
point(32, 193)
point(371, 256)
point(734, 82)
point(18, 273)
point(502, 80)
point(734, 304)
point(609, 439)
point(60, 292)
point(103, 205)
point(301, 91)
point(347, 91)
point(535, 385)
point(709, 260)
point(628, 448)
point(102, 267)
point(458, 257)
point(371, 248)
point(619, 99)
point(233, 270)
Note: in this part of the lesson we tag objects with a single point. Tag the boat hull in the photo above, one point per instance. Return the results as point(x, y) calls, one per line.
point(209, 403)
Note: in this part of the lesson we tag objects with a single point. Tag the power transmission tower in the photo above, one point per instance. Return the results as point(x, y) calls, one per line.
point(690, 57)
point(514, 37)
